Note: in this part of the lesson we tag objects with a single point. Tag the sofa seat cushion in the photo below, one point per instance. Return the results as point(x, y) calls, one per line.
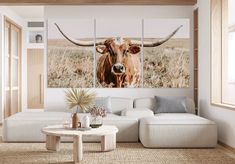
point(26, 126)
point(39, 116)
point(177, 130)
point(177, 118)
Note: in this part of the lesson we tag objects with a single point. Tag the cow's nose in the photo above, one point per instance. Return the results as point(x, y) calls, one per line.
point(118, 68)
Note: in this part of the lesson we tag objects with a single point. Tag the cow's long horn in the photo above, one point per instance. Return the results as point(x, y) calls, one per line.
point(79, 42)
point(158, 43)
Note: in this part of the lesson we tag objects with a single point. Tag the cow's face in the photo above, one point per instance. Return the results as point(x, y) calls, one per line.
point(118, 51)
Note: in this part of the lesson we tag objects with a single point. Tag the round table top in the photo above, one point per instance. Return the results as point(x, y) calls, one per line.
point(59, 130)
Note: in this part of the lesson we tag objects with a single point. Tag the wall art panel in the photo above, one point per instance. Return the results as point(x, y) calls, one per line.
point(118, 57)
point(70, 65)
point(166, 53)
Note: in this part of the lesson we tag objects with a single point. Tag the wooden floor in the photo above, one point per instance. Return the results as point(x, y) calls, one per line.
point(228, 150)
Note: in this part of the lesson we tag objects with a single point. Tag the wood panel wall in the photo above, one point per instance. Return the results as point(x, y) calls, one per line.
point(98, 2)
point(35, 78)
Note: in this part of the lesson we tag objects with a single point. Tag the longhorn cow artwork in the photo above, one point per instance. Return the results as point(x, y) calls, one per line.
point(119, 63)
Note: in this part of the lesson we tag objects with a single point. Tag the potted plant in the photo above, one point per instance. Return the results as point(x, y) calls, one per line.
point(97, 113)
point(81, 99)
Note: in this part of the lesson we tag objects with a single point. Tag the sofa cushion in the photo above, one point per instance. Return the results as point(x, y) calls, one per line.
point(176, 119)
point(104, 102)
point(39, 116)
point(189, 105)
point(119, 104)
point(177, 130)
point(170, 104)
point(138, 112)
point(26, 126)
point(150, 103)
point(145, 102)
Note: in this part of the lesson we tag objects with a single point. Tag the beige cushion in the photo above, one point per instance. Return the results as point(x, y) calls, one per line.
point(119, 104)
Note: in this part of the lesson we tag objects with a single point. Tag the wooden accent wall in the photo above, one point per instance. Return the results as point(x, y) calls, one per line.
point(35, 79)
point(98, 2)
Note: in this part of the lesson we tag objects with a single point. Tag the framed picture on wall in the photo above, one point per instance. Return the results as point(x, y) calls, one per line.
point(36, 37)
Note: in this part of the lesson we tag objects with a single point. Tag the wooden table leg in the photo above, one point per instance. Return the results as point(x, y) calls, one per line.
point(77, 148)
point(52, 143)
point(108, 142)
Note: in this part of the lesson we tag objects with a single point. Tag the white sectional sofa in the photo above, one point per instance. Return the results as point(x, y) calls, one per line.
point(135, 120)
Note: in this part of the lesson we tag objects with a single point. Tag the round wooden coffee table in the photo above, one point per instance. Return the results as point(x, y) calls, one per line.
point(53, 134)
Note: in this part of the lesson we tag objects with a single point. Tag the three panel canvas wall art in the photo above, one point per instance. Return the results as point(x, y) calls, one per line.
point(102, 53)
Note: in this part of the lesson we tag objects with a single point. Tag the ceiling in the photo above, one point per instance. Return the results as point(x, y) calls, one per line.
point(32, 9)
point(28, 12)
point(99, 2)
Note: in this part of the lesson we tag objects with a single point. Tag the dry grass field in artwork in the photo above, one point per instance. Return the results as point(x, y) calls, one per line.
point(69, 65)
point(167, 66)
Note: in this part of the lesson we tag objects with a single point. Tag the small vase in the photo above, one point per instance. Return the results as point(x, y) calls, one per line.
point(75, 120)
point(86, 122)
point(96, 121)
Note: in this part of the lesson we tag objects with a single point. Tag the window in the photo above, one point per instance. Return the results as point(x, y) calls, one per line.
point(223, 53)
point(231, 41)
point(231, 55)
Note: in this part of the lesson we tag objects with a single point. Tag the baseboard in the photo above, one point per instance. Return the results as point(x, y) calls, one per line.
point(226, 146)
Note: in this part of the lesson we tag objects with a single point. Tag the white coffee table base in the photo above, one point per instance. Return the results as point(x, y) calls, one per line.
point(77, 148)
point(52, 142)
point(108, 139)
point(108, 142)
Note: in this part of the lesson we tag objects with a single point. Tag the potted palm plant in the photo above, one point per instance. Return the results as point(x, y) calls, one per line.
point(82, 99)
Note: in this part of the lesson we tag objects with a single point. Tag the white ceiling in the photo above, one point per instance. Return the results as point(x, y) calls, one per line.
point(29, 12)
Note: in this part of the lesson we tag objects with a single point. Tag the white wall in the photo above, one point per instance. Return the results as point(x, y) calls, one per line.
point(54, 98)
point(224, 118)
point(231, 13)
point(4, 11)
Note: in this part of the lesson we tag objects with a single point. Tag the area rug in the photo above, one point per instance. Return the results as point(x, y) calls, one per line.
point(126, 153)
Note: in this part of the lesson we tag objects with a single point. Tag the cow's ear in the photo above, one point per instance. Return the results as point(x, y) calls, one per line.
point(101, 49)
point(134, 49)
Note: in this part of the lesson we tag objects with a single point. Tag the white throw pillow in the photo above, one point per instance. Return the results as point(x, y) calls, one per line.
point(104, 102)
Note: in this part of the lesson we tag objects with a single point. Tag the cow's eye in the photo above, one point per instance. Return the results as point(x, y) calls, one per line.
point(125, 52)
